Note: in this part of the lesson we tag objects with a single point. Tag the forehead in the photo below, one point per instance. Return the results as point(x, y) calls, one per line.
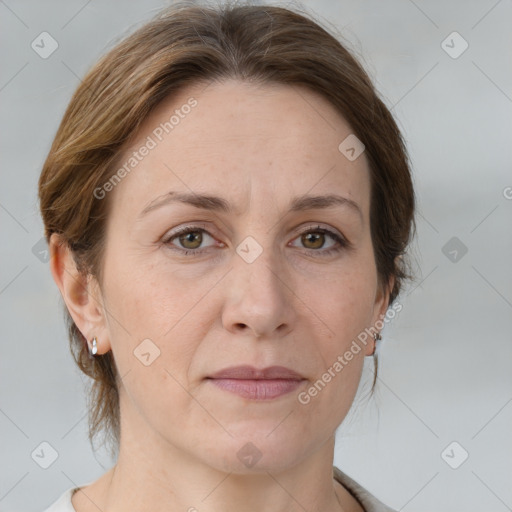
point(245, 140)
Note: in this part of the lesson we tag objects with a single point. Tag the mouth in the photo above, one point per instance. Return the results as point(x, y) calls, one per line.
point(254, 384)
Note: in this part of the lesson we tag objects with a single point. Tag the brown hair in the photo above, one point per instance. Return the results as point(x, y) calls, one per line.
point(186, 44)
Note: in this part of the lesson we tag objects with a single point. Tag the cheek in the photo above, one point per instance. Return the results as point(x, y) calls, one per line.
point(152, 311)
point(345, 302)
point(327, 400)
point(157, 393)
point(145, 302)
point(345, 309)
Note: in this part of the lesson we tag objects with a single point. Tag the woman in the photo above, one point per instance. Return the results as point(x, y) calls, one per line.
point(227, 203)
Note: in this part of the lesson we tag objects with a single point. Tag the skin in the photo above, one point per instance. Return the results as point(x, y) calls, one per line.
point(257, 147)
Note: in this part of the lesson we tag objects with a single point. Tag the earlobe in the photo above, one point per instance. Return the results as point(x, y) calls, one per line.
point(79, 292)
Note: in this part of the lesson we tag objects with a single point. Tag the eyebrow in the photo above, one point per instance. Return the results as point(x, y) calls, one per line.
point(215, 203)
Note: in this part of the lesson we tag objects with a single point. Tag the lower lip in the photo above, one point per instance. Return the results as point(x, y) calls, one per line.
point(258, 389)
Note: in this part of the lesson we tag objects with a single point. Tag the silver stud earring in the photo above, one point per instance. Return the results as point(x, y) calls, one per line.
point(94, 349)
point(377, 337)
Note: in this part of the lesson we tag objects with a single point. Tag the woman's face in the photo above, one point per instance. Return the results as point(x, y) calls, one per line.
point(263, 278)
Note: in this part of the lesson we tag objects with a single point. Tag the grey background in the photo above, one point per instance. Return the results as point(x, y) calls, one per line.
point(445, 362)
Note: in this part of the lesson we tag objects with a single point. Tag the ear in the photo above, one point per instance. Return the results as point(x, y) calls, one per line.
point(81, 294)
point(381, 306)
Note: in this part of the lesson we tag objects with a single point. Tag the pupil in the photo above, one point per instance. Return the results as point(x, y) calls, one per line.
point(189, 237)
point(315, 238)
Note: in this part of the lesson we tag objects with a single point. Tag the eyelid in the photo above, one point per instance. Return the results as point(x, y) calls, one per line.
point(172, 233)
point(320, 227)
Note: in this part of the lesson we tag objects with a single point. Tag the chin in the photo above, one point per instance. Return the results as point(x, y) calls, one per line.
point(257, 452)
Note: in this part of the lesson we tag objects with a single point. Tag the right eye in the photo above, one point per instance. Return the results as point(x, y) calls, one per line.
point(189, 239)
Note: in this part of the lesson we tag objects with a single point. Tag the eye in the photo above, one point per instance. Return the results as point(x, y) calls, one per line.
point(188, 239)
point(314, 239)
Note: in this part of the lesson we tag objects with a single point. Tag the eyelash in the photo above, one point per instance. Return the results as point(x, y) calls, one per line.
point(342, 243)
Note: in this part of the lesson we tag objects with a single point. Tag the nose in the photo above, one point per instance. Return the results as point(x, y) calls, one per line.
point(259, 300)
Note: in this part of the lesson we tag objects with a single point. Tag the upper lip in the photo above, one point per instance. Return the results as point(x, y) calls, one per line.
point(250, 373)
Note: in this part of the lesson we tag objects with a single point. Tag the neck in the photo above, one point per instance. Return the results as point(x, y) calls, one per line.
point(152, 474)
point(185, 484)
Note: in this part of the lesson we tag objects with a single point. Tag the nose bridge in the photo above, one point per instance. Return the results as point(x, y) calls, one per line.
point(257, 265)
point(257, 296)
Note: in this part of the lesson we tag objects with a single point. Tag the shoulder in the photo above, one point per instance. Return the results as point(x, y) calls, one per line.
point(63, 503)
point(369, 502)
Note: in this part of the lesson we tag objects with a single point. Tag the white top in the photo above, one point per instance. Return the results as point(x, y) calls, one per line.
point(369, 502)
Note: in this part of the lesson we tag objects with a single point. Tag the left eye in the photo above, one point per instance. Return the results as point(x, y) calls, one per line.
point(314, 239)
